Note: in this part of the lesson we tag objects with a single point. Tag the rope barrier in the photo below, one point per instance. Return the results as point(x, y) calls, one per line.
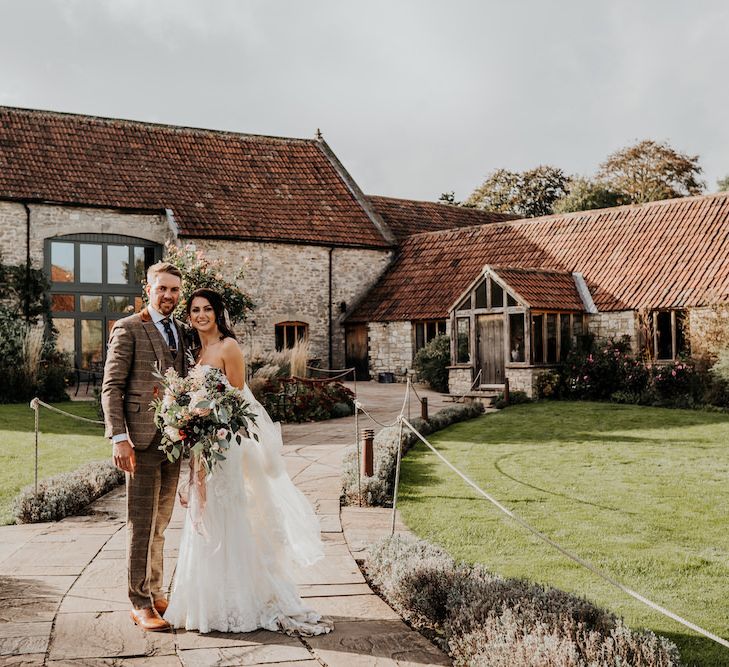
point(37, 402)
point(606, 577)
point(36, 405)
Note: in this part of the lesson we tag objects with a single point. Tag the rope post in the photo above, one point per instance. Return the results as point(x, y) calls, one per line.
point(424, 408)
point(35, 406)
point(397, 477)
point(359, 453)
point(506, 391)
point(368, 454)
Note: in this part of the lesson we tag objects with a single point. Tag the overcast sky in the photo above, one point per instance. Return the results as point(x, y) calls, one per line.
point(416, 97)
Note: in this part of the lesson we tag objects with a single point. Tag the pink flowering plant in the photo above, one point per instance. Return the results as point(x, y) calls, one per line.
point(201, 415)
point(675, 381)
point(200, 271)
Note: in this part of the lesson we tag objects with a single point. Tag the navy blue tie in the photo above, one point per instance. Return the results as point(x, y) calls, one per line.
point(170, 336)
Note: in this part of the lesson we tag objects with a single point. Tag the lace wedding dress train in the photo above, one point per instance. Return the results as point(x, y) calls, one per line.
point(238, 552)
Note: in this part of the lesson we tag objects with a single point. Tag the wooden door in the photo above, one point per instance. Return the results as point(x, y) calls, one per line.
point(355, 350)
point(490, 348)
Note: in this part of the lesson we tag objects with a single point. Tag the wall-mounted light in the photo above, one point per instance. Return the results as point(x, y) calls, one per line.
point(342, 306)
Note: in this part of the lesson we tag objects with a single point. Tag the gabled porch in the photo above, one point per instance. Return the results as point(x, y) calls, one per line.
point(512, 323)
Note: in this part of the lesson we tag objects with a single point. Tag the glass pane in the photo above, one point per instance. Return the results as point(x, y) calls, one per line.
point(516, 336)
point(65, 341)
point(551, 338)
point(497, 295)
point(419, 335)
point(683, 347)
point(290, 333)
point(441, 327)
point(138, 303)
point(62, 264)
point(538, 339)
point(481, 295)
point(61, 303)
point(565, 338)
point(143, 259)
point(279, 338)
point(465, 304)
point(91, 343)
point(577, 326)
point(90, 303)
point(430, 331)
point(117, 264)
point(90, 260)
point(463, 347)
point(510, 300)
point(301, 332)
point(119, 304)
point(109, 326)
point(663, 330)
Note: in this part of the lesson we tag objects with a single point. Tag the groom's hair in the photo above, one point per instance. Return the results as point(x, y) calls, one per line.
point(162, 267)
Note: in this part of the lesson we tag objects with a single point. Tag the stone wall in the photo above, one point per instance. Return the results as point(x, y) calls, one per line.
point(391, 348)
point(290, 283)
point(459, 380)
point(708, 330)
point(614, 325)
point(48, 221)
point(523, 379)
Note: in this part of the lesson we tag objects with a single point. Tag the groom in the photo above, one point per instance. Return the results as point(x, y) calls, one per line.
point(138, 344)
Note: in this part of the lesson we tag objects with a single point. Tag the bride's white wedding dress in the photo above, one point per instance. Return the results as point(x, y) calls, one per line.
point(237, 553)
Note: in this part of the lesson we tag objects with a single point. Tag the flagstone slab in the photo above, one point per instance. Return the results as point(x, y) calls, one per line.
point(338, 590)
point(363, 526)
point(28, 609)
point(38, 586)
point(147, 661)
point(80, 600)
point(191, 639)
point(105, 635)
point(326, 506)
point(23, 660)
point(8, 549)
point(29, 629)
point(103, 573)
point(112, 554)
point(244, 655)
point(367, 607)
point(34, 555)
point(331, 570)
point(329, 523)
point(382, 643)
point(23, 645)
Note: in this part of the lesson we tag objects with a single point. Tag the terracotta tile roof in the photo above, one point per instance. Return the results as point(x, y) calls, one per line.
point(551, 290)
point(667, 254)
point(406, 217)
point(218, 184)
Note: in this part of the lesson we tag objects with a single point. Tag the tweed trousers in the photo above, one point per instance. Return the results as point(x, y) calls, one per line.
point(151, 495)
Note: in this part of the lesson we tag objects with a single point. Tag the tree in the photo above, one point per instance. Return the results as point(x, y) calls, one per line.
point(723, 184)
point(649, 171)
point(586, 194)
point(530, 193)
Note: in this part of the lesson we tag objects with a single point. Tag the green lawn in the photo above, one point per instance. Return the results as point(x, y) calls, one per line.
point(642, 493)
point(64, 444)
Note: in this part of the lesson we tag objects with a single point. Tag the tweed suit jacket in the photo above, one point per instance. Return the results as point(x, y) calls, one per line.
point(135, 349)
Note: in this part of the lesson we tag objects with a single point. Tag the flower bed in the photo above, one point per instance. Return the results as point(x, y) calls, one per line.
point(66, 494)
point(302, 400)
point(482, 619)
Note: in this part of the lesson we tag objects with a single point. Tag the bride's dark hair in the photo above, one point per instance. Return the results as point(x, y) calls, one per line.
point(216, 301)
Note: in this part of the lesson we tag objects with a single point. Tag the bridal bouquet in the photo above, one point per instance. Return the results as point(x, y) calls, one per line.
point(201, 414)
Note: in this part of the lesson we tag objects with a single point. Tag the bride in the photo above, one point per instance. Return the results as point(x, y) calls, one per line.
point(247, 525)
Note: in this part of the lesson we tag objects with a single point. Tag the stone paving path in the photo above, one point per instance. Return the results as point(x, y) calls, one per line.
point(63, 585)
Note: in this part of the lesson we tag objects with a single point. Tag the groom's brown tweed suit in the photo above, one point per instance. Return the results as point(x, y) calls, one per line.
point(135, 347)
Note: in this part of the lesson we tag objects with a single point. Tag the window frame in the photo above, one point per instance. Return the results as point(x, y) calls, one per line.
point(284, 326)
point(676, 315)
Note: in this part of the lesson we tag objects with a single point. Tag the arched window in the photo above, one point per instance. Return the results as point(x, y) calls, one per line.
point(287, 333)
point(95, 280)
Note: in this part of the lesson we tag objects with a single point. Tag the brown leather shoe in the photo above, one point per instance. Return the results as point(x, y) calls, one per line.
point(161, 604)
point(149, 620)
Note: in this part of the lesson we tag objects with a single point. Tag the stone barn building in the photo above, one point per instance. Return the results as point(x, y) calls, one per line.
point(95, 200)
point(518, 293)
